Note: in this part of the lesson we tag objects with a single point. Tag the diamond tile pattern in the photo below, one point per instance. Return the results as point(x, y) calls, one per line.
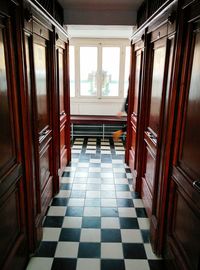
point(96, 221)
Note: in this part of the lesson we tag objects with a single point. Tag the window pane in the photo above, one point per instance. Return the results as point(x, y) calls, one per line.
point(110, 71)
point(72, 71)
point(127, 70)
point(88, 71)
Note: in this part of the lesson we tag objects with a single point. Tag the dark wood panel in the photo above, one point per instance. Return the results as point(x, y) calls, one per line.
point(9, 208)
point(190, 155)
point(13, 234)
point(41, 85)
point(62, 138)
point(40, 30)
point(150, 168)
point(46, 195)
point(184, 218)
point(133, 141)
point(60, 81)
point(44, 165)
point(132, 165)
point(138, 69)
point(186, 235)
point(159, 33)
point(6, 138)
point(146, 197)
point(156, 88)
point(63, 158)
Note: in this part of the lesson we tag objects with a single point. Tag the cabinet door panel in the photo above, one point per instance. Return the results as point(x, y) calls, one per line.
point(44, 166)
point(134, 117)
point(186, 234)
point(150, 169)
point(6, 141)
point(61, 69)
point(156, 89)
point(42, 123)
point(138, 71)
point(13, 243)
point(133, 141)
point(190, 152)
point(61, 82)
point(41, 85)
point(186, 173)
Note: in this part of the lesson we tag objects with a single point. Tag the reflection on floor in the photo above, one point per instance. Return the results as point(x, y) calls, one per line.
point(96, 221)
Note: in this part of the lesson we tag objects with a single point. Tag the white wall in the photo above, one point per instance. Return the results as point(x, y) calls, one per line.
point(96, 107)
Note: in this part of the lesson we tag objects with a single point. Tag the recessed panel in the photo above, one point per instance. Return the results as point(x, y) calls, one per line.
point(41, 85)
point(191, 143)
point(156, 89)
point(6, 145)
point(186, 229)
point(10, 227)
point(61, 82)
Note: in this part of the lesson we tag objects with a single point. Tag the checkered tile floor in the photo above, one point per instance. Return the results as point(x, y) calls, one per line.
point(96, 221)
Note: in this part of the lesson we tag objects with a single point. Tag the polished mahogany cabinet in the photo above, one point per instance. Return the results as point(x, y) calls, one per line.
point(151, 80)
point(64, 99)
point(30, 61)
point(13, 225)
point(134, 104)
point(37, 49)
point(183, 235)
point(157, 102)
point(168, 180)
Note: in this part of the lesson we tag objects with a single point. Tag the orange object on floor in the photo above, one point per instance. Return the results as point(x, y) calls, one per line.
point(117, 134)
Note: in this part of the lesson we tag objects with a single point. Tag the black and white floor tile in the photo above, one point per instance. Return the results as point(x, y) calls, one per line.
point(97, 221)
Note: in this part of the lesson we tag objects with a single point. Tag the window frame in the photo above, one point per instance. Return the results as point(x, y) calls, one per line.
point(99, 43)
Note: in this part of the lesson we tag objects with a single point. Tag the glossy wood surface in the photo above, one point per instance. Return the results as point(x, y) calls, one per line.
point(61, 81)
point(41, 85)
point(150, 127)
point(5, 117)
point(190, 155)
point(42, 115)
point(156, 88)
point(184, 236)
point(137, 81)
point(134, 107)
point(27, 104)
point(13, 230)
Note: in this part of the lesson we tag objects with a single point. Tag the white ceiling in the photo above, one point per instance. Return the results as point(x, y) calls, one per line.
point(100, 31)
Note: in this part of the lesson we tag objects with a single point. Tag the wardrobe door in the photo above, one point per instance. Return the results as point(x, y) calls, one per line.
point(13, 243)
point(184, 214)
point(138, 66)
point(43, 133)
point(63, 119)
point(153, 108)
point(38, 82)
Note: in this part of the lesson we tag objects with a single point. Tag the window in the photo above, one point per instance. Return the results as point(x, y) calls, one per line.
point(72, 70)
point(88, 71)
point(99, 70)
point(127, 70)
point(110, 71)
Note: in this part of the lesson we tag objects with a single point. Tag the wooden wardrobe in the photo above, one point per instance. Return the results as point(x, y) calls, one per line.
point(163, 129)
point(35, 114)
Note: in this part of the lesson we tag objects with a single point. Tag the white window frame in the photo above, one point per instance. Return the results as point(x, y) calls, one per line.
point(99, 43)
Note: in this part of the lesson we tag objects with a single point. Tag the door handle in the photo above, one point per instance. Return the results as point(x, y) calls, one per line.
point(151, 135)
point(43, 133)
point(196, 185)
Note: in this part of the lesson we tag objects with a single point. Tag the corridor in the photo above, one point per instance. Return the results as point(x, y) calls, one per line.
point(96, 221)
